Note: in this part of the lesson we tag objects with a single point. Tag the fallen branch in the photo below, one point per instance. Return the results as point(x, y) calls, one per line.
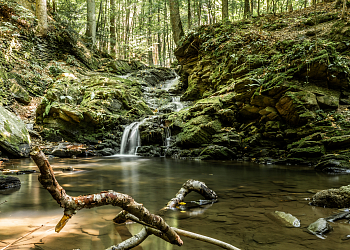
point(73, 204)
point(189, 186)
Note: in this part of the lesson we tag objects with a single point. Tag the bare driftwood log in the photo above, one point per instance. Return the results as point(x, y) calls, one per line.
point(189, 186)
point(73, 204)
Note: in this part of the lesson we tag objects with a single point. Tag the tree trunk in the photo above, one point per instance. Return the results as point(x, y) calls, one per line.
point(199, 12)
point(251, 7)
point(258, 8)
point(189, 14)
point(149, 34)
point(112, 28)
point(91, 22)
point(175, 20)
point(224, 10)
point(344, 10)
point(41, 14)
point(246, 9)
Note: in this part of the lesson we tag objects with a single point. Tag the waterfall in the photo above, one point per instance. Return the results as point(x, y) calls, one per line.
point(167, 135)
point(176, 101)
point(131, 139)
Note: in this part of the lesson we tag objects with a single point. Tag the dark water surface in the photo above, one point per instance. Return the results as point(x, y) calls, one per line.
point(248, 195)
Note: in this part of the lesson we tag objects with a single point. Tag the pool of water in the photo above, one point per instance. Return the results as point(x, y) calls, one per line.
point(248, 196)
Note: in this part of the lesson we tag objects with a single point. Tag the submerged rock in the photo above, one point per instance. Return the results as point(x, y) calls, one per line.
point(7, 182)
point(319, 227)
point(290, 219)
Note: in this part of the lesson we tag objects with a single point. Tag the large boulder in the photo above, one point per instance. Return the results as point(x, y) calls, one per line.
point(297, 107)
point(336, 198)
point(14, 136)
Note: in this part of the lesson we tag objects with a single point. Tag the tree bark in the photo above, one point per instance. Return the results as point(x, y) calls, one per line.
point(41, 14)
point(224, 10)
point(91, 21)
point(175, 20)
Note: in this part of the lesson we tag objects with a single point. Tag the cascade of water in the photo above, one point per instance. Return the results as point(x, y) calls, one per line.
point(131, 139)
point(177, 102)
point(167, 135)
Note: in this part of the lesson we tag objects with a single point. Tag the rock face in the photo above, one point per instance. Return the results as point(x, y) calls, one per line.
point(14, 136)
point(260, 107)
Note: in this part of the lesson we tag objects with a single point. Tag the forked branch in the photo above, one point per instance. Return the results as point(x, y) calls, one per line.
point(73, 204)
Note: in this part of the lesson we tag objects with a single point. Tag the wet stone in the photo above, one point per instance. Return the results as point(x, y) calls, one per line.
point(7, 182)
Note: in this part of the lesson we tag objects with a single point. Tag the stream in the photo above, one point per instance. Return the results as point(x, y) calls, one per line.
point(248, 194)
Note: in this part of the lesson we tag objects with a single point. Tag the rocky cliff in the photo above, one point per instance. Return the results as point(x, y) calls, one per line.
point(268, 89)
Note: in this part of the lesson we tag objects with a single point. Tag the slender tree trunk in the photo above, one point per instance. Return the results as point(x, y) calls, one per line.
point(246, 8)
point(199, 12)
point(91, 22)
point(149, 34)
point(175, 20)
point(209, 12)
point(158, 38)
point(258, 8)
point(127, 28)
point(343, 14)
point(165, 33)
point(41, 14)
point(54, 8)
point(267, 6)
point(251, 7)
point(104, 39)
point(112, 28)
point(224, 10)
point(99, 19)
point(189, 14)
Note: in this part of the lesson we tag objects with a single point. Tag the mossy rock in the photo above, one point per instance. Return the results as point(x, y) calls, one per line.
point(307, 152)
point(14, 136)
point(216, 152)
point(337, 142)
point(332, 198)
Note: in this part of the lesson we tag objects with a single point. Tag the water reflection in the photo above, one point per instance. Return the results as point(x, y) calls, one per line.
point(247, 193)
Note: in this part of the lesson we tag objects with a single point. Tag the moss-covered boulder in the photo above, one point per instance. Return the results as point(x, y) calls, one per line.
point(297, 107)
point(334, 198)
point(216, 152)
point(14, 136)
point(19, 93)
